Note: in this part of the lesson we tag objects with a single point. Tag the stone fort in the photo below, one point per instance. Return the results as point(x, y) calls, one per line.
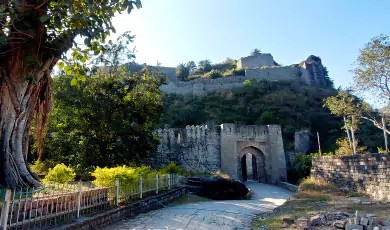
point(258, 67)
point(244, 152)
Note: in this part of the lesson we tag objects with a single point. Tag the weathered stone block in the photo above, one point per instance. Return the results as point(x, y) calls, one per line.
point(340, 224)
point(364, 221)
point(316, 220)
point(353, 227)
point(303, 223)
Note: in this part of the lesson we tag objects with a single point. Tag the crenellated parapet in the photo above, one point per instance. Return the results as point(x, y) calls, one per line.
point(214, 148)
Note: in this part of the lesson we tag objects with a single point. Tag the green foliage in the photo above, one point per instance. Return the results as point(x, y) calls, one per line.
point(255, 52)
point(344, 147)
point(171, 168)
point(302, 165)
point(344, 104)
point(239, 72)
point(329, 82)
point(380, 150)
point(204, 66)
point(234, 72)
point(60, 174)
point(42, 167)
point(214, 74)
point(182, 72)
point(56, 24)
point(107, 176)
point(372, 72)
point(109, 118)
point(307, 184)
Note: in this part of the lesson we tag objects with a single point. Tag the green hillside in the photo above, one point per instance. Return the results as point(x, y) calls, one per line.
point(293, 105)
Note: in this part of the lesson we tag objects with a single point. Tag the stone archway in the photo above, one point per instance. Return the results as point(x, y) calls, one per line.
point(252, 165)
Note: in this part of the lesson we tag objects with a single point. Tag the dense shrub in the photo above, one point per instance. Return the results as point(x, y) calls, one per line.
point(42, 167)
point(107, 176)
point(239, 72)
point(170, 168)
point(308, 184)
point(213, 74)
point(60, 174)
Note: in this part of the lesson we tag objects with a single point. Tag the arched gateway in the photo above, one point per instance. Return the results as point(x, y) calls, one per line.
point(252, 165)
point(245, 152)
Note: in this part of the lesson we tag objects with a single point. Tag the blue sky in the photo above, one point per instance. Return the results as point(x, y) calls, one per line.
point(175, 31)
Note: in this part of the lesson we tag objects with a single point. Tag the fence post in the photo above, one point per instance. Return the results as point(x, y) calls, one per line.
point(140, 187)
point(117, 192)
point(5, 209)
point(156, 183)
point(79, 199)
point(169, 181)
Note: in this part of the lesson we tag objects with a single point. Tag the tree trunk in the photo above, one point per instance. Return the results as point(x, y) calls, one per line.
point(347, 130)
point(20, 100)
point(385, 134)
point(353, 140)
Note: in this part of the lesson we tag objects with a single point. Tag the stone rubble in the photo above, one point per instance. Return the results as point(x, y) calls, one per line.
point(338, 220)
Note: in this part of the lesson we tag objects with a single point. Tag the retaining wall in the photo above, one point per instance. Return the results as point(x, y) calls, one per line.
point(369, 173)
point(132, 210)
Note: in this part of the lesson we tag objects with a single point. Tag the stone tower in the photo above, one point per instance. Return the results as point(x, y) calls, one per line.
point(315, 72)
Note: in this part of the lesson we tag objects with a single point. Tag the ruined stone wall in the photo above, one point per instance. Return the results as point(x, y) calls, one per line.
point(369, 173)
point(255, 61)
point(193, 148)
point(274, 73)
point(201, 86)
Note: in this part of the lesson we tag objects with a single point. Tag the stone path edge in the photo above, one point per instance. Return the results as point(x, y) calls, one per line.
point(132, 210)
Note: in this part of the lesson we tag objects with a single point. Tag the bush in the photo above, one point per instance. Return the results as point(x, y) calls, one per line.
point(344, 147)
point(213, 74)
point(239, 72)
point(218, 174)
point(42, 167)
point(380, 150)
point(300, 168)
point(308, 184)
point(60, 174)
point(107, 176)
point(228, 73)
point(170, 169)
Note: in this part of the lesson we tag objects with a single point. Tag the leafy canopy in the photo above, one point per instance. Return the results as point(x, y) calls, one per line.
point(372, 74)
point(109, 119)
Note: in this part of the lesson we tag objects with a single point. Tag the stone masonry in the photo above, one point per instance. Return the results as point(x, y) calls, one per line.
point(369, 173)
point(310, 72)
point(255, 61)
point(222, 147)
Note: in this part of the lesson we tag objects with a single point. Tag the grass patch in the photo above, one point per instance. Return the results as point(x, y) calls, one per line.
point(356, 194)
point(308, 184)
point(315, 197)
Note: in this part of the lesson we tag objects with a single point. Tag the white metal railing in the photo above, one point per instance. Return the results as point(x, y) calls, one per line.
point(55, 204)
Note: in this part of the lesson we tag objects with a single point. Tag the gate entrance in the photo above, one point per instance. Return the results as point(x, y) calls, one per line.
point(252, 165)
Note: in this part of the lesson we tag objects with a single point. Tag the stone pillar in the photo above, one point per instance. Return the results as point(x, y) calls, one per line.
point(302, 142)
point(249, 168)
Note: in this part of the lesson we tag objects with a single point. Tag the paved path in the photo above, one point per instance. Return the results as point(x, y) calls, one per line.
point(197, 216)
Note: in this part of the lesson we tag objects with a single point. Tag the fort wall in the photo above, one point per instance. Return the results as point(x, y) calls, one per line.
point(201, 86)
point(194, 148)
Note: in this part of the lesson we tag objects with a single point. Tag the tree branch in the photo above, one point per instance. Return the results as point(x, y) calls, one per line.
point(375, 122)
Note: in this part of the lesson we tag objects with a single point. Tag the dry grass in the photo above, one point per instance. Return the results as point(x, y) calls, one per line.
point(308, 184)
point(315, 197)
point(220, 174)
